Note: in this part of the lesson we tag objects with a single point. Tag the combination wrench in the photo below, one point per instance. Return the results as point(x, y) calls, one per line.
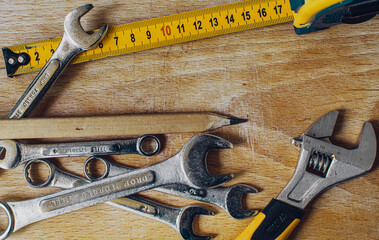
point(74, 41)
point(227, 198)
point(17, 152)
point(188, 167)
point(180, 219)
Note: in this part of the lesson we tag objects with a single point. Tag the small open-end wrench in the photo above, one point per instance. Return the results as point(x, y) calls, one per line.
point(188, 167)
point(321, 165)
point(181, 219)
point(74, 41)
point(227, 198)
point(17, 152)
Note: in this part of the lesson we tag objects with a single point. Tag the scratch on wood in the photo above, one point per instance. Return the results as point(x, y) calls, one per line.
point(366, 89)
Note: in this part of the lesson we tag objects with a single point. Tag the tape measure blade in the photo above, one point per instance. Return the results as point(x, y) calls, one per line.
point(167, 30)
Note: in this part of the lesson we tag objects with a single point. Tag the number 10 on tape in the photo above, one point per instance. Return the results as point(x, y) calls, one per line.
point(163, 31)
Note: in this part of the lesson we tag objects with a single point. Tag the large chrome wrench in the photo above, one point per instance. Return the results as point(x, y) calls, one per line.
point(180, 219)
point(188, 167)
point(227, 198)
point(74, 41)
point(17, 152)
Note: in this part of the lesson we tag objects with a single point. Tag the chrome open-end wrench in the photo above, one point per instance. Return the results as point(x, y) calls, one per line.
point(227, 198)
point(321, 165)
point(180, 219)
point(188, 167)
point(17, 152)
point(74, 41)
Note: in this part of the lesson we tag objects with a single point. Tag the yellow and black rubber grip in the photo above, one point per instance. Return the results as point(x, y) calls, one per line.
point(276, 222)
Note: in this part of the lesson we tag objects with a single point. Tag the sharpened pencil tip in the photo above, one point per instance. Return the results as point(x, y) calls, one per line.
point(234, 121)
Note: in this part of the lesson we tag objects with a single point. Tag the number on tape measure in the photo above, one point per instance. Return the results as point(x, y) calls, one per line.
point(166, 30)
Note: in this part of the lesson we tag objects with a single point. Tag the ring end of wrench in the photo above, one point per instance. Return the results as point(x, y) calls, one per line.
point(11, 223)
point(30, 181)
point(12, 157)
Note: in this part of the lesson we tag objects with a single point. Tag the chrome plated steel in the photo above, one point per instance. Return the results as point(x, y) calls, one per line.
point(227, 198)
point(17, 152)
point(188, 167)
point(74, 41)
point(179, 218)
point(322, 164)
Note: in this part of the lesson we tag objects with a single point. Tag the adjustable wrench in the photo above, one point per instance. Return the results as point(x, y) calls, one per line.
point(321, 165)
point(181, 219)
point(227, 198)
point(74, 41)
point(188, 166)
point(17, 152)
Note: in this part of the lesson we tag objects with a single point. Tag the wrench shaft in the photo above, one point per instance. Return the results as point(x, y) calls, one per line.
point(98, 191)
point(45, 78)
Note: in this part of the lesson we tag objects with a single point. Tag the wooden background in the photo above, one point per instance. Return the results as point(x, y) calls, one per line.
point(280, 81)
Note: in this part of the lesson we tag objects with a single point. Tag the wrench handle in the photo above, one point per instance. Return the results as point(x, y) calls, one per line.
point(36, 90)
point(276, 222)
point(45, 78)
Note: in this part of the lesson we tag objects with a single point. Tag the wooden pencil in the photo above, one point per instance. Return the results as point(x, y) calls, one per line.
point(119, 125)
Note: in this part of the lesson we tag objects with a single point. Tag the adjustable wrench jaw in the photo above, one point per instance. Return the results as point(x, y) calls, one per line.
point(322, 165)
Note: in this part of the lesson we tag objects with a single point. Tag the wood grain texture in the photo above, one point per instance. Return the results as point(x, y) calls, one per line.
point(280, 81)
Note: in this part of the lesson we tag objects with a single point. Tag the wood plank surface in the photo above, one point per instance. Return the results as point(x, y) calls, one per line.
point(278, 80)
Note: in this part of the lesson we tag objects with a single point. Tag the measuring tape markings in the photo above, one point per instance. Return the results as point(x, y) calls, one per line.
point(167, 30)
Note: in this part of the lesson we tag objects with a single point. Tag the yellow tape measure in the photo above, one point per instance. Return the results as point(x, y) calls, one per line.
point(158, 32)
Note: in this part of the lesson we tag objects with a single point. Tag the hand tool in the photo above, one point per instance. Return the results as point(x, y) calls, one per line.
point(74, 41)
point(227, 198)
point(188, 166)
point(310, 16)
point(209, 22)
point(121, 125)
point(181, 219)
point(321, 165)
point(17, 152)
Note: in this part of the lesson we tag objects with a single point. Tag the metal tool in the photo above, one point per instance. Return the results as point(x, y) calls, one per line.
point(321, 165)
point(74, 41)
point(227, 198)
point(17, 152)
point(181, 219)
point(188, 166)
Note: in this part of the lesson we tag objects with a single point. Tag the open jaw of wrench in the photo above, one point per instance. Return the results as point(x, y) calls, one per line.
point(227, 198)
point(180, 219)
point(17, 152)
point(74, 41)
point(321, 165)
point(188, 167)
